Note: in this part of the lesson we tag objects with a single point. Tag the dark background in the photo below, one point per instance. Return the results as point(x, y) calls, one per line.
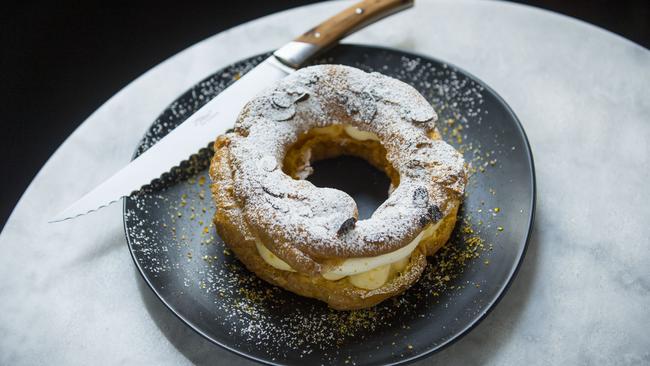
point(62, 59)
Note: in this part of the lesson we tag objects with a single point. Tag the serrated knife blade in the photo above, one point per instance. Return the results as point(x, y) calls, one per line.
point(195, 133)
point(219, 114)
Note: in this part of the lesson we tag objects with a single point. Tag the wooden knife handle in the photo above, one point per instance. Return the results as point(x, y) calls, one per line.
point(352, 19)
point(340, 25)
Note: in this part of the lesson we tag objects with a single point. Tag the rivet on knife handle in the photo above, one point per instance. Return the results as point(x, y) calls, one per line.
point(326, 34)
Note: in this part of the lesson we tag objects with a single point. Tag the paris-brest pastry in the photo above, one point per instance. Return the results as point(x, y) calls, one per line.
point(308, 239)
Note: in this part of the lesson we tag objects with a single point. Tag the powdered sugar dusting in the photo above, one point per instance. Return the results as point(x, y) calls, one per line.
point(307, 217)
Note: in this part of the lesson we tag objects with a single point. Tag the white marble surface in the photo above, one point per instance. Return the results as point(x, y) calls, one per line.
point(69, 293)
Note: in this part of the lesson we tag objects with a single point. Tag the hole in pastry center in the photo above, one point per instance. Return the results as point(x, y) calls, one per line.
point(367, 185)
point(331, 157)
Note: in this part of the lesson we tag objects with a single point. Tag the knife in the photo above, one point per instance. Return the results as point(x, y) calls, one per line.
point(219, 114)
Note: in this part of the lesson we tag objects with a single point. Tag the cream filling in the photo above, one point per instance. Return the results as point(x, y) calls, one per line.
point(377, 277)
point(354, 266)
point(350, 130)
point(271, 258)
point(364, 272)
point(358, 134)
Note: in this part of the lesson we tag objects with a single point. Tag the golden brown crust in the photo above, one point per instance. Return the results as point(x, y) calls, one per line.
point(340, 295)
point(257, 201)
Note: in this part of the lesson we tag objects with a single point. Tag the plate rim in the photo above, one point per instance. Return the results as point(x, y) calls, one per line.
point(431, 350)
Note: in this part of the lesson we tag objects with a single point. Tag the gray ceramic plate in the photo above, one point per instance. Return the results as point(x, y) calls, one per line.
point(185, 263)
